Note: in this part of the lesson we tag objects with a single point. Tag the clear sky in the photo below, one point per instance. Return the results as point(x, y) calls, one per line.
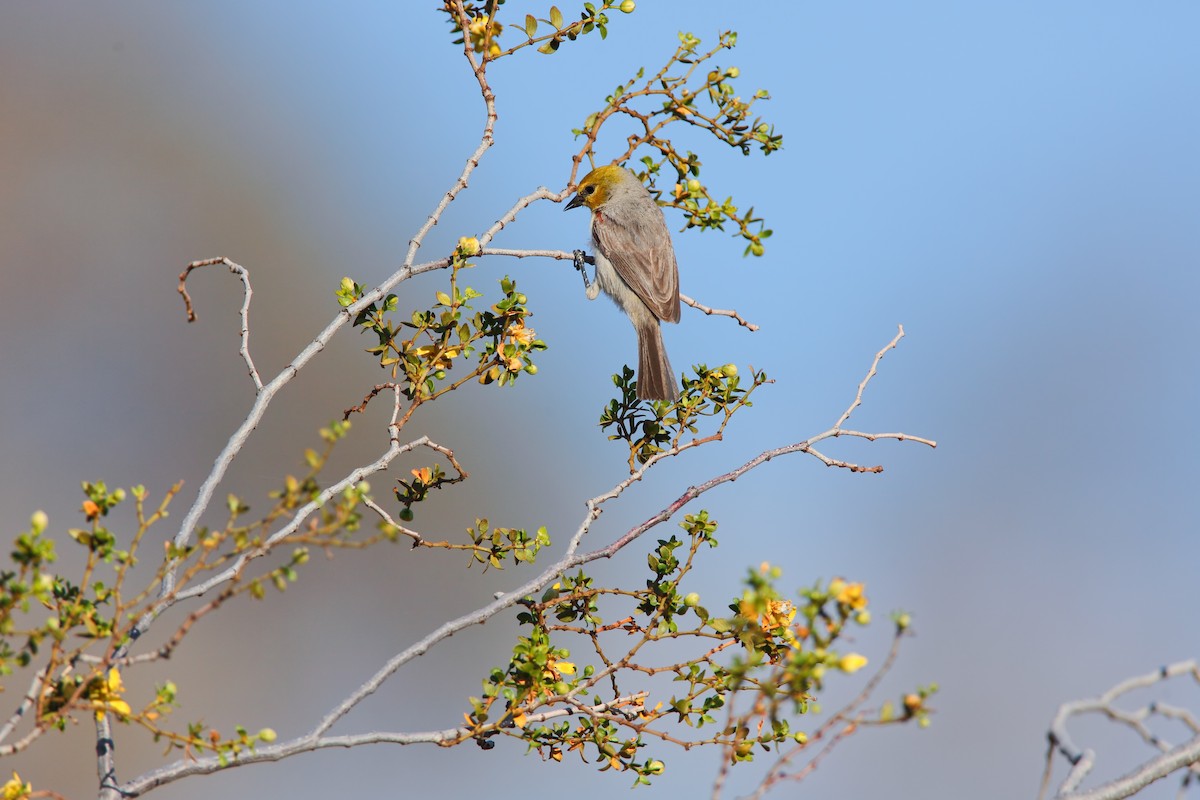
point(1015, 183)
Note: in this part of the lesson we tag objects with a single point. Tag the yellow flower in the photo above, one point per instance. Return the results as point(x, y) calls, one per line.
point(849, 594)
point(439, 360)
point(106, 695)
point(15, 789)
point(514, 364)
point(481, 29)
point(555, 669)
point(851, 663)
point(468, 245)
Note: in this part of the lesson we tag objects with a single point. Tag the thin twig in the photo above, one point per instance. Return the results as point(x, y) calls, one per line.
point(248, 292)
point(1082, 760)
point(871, 374)
point(720, 312)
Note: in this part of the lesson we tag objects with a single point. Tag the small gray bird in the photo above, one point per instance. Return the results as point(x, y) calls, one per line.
point(635, 266)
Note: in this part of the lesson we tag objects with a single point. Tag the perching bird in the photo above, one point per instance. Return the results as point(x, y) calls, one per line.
point(635, 266)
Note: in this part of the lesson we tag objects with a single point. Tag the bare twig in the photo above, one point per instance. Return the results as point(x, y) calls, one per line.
point(1172, 758)
point(36, 687)
point(870, 374)
point(244, 274)
point(720, 312)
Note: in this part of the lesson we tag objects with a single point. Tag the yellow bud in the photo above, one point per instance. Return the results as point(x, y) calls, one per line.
point(694, 186)
point(851, 663)
point(39, 521)
point(863, 618)
point(468, 245)
point(627, 6)
point(729, 370)
point(267, 735)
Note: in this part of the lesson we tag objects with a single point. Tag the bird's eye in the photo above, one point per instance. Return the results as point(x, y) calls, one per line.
point(590, 190)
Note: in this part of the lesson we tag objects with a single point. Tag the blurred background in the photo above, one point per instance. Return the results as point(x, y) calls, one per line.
point(1015, 183)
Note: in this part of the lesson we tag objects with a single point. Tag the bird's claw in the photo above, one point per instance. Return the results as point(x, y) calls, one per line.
point(581, 260)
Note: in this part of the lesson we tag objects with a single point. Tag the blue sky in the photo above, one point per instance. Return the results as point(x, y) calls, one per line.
point(1014, 183)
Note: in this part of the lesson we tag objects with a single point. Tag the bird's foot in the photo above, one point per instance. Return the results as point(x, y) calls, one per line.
point(581, 260)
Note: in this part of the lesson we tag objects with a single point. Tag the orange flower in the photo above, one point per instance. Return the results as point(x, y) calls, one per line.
point(521, 334)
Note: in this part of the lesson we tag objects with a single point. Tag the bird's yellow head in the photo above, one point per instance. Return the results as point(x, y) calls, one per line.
point(597, 186)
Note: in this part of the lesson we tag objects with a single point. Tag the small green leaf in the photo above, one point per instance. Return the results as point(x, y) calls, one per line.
point(530, 25)
point(556, 18)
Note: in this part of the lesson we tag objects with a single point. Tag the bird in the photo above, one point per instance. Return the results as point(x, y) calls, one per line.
point(635, 266)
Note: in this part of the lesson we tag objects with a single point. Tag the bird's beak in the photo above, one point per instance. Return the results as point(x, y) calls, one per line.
point(576, 202)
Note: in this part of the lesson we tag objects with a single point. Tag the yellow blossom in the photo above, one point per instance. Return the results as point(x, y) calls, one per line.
point(15, 789)
point(851, 663)
point(106, 695)
point(438, 358)
point(481, 30)
point(851, 594)
point(468, 245)
point(555, 669)
point(514, 364)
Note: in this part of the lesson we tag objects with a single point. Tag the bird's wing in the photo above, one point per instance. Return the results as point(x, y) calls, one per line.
point(642, 255)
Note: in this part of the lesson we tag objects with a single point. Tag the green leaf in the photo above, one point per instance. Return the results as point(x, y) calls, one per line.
point(530, 25)
point(556, 18)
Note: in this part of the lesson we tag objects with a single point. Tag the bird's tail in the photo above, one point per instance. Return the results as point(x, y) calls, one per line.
point(655, 381)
